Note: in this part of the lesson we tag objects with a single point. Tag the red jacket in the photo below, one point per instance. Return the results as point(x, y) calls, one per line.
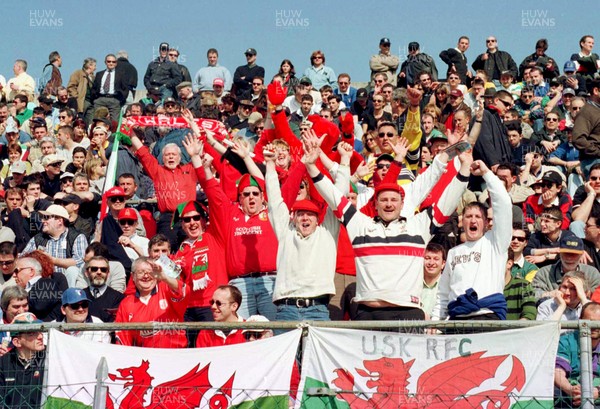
point(216, 338)
point(203, 267)
point(532, 208)
point(250, 242)
point(172, 186)
point(164, 305)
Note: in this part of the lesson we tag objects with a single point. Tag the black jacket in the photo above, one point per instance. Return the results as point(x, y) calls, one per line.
point(121, 87)
point(100, 307)
point(540, 60)
point(248, 74)
point(452, 56)
point(21, 387)
point(492, 146)
point(161, 73)
point(128, 72)
point(45, 299)
point(495, 64)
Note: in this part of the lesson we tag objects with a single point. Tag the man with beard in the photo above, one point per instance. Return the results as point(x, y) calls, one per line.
point(105, 299)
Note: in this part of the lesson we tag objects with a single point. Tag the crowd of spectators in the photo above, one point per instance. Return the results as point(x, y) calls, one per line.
point(473, 196)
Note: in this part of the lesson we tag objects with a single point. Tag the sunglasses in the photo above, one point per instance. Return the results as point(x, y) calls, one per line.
point(551, 119)
point(66, 180)
point(93, 269)
point(317, 57)
point(519, 239)
point(257, 83)
point(506, 104)
point(525, 96)
point(218, 303)
point(80, 305)
point(594, 178)
point(490, 41)
point(127, 222)
point(62, 117)
point(18, 270)
point(173, 55)
point(116, 199)
point(253, 193)
point(48, 217)
point(169, 105)
point(111, 61)
point(383, 165)
point(378, 100)
point(7, 262)
point(188, 219)
point(55, 164)
point(384, 134)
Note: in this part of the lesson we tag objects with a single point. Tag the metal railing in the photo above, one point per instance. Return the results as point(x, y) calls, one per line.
point(584, 328)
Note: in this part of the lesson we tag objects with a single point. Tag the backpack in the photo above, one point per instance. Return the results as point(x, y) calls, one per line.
point(41, 240)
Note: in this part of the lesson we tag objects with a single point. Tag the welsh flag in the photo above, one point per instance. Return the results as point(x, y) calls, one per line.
point(374, 369)
point(123, 134)
point(250, 375)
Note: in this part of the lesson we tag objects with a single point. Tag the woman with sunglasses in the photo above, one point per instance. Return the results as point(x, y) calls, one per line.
point(371, 118)
point(318, 73)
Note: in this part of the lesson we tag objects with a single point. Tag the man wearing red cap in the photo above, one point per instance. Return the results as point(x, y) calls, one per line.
point(244, 227)
point(306, 256)
point(201, 259)
point(388, 248)
point(174, 183)
point(135, 246)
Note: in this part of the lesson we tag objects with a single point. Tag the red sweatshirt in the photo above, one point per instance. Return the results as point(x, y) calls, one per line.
point(172, 186)
point(164, 305)
point(250, 242)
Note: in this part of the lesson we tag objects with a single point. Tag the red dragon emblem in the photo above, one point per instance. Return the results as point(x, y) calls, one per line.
point(446, 385)
point(184, 392)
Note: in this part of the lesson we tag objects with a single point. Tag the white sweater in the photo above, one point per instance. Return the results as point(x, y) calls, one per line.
point(305, 265)
point(479, 264)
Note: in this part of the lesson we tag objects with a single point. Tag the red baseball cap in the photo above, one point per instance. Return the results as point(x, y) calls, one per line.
point(456, 93)
point(382, 187)
point(128, 214)
point(307, 205)
point(114, 191)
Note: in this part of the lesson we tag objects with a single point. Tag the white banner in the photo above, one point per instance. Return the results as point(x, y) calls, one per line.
point(253, 374)
point(368, 369)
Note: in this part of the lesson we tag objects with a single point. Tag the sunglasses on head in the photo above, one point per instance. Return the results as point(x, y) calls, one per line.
point(93, 269)
point(116, 199)
point(79, 305)
point(127, 222)
point(195, 218)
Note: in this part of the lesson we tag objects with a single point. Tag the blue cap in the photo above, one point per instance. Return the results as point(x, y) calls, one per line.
point(571, 244)
point(73, 296)
point(570, 66)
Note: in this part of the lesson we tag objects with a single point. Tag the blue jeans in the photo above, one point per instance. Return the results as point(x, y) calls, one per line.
point(257, 296)
point(293, 313)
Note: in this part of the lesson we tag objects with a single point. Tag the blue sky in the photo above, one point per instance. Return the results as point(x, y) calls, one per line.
point(348, 32)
